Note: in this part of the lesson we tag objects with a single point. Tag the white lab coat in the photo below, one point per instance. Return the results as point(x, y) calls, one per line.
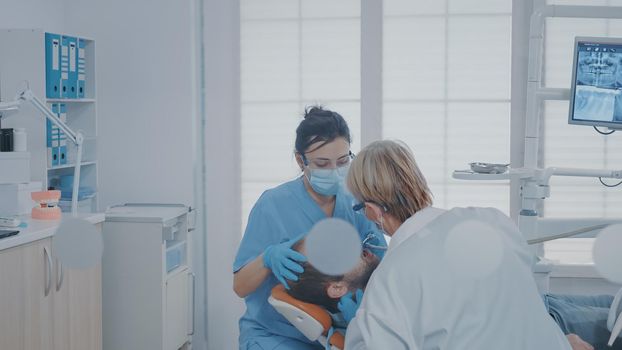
point(415, 301)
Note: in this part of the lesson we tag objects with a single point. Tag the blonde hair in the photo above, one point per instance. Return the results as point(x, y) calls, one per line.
point(385, 172)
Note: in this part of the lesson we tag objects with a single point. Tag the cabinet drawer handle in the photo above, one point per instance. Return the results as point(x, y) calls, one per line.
point(193, 300)
point(48, 275)
point(61, 278)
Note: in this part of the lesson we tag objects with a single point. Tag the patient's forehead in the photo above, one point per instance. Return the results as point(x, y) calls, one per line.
point(300, 247)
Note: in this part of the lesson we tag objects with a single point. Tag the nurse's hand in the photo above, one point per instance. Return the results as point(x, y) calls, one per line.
point(283, 261)
point(577, 343)
point(348, 305)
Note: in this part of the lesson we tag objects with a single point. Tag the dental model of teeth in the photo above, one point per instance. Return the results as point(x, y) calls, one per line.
point(47, 208)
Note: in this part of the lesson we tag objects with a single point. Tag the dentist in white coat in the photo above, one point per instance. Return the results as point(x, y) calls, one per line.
point(414, 299)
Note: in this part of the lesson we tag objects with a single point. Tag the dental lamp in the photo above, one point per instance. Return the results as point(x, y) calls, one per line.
point(8, 108)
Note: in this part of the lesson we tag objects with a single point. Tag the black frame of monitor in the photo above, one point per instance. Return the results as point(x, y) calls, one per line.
point(573, 82)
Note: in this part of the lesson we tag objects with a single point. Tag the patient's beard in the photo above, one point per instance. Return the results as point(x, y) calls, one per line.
point(360, 281)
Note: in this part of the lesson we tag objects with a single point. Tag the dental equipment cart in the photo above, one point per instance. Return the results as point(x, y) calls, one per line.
point(148, 284)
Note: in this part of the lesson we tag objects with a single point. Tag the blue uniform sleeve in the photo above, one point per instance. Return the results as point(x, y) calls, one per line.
point(259, 234)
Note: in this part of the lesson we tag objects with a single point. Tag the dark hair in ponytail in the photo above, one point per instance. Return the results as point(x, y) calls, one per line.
point(320, 125)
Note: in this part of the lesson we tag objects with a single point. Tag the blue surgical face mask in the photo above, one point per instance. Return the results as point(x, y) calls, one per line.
point(327, 182)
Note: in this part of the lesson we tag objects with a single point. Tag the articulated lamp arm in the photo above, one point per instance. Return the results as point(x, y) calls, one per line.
point(27, 95)
point(75, 136)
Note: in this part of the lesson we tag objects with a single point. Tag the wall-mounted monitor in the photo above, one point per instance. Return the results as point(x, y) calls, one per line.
point(596, 92)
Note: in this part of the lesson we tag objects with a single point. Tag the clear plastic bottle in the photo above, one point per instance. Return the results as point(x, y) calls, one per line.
point(19, 140)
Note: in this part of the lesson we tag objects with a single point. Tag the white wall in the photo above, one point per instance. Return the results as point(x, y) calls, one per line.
point(40, 14)
point(221, 33)
point(145, 80)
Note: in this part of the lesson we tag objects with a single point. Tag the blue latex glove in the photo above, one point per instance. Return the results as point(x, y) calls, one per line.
point(282, 260)
point(348, 305)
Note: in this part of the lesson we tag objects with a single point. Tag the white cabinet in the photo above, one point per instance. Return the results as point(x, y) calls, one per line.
point(77, 304)
point(44, 306)
point(148, 284)
point(177, 309)
point(26, 297)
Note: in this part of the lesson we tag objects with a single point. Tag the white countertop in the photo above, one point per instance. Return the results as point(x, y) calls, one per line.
point(40, 229)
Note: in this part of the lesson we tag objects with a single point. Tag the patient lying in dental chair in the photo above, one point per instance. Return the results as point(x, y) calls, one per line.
point(317, 288)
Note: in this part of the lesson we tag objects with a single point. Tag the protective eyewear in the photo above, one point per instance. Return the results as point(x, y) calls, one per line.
point(326, 163)
point(358, 206)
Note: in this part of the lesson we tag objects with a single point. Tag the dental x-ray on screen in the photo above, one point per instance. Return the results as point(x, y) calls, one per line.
point(596, 93)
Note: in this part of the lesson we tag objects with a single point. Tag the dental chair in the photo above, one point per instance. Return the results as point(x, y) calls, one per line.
point(311, 320)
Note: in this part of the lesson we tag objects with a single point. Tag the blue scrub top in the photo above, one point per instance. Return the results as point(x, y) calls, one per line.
point(280, 214)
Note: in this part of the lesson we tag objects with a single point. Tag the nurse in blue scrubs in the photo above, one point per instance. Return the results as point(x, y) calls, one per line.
point(281, 216)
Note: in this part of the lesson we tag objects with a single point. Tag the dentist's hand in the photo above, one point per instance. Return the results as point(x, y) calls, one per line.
point(348, 305)
point(373, 243)
point(282, 260)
